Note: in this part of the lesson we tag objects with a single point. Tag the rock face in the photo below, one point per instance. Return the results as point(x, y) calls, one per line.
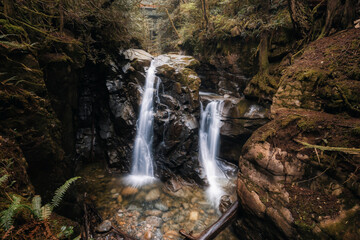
point(287, 188)
point(108, 117)
point(240, 118)
point(27, 119)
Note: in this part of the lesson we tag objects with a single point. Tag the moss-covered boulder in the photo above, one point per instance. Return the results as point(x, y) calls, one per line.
point(288, 190)
point(298, 175)
point(326, 77)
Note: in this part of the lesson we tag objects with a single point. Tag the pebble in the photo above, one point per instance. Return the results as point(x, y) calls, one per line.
point(100, 176)
point(194, 216)
point(172, 234)
point(147, 235)
point(113, 190)
point(153, 195)
point(105, 226)
point(166, 216)
point(153, 221)
point(161, 207)
point(153, 212)
point(119, 199)
point(129, 191)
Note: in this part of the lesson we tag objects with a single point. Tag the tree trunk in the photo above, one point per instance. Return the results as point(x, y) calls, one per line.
point(263, 52)
point(203, 3)
point(301, 17)
point(61, 13)
point(8, 7)
point(339, 15)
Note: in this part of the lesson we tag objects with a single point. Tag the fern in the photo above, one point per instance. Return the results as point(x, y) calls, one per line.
point(36, 206)
point(59, 193)
point(39, 212)
point(3, 179)
point(46, 211)
point(7, 216)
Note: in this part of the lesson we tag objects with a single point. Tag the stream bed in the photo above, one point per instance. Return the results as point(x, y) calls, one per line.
point(152, 211)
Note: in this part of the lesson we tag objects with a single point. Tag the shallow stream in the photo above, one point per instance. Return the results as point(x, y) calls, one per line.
point(152, 211)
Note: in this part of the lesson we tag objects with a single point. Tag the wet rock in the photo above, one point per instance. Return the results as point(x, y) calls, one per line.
point(167, 216)
point(153, 213)
point(171, 234)
point(225, 203)
point(161, 207)
point(129, 191)
point(147, 235)
point(105, 226)
point(153, 195)
point(154, 221)
point(141, 57)
point(194, 216)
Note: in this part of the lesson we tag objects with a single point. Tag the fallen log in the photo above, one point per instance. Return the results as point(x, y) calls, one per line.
point(217, 227)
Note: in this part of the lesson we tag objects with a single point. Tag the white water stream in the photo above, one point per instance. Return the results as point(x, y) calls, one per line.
point(209, 143)
point(142, 171)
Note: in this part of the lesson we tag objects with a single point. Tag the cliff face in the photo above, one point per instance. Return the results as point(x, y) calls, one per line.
point(298, 173)
point(28, 117)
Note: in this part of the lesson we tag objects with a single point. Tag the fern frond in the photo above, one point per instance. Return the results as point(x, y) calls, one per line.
point(36, 206)
point(7, 216)
point(46, 211)
point(60, 192)
point(3, 179)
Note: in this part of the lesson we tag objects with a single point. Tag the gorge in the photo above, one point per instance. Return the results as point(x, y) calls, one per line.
point(171, 111)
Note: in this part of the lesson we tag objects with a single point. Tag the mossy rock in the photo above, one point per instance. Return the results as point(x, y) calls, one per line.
point(262, 86)
point(325, 77)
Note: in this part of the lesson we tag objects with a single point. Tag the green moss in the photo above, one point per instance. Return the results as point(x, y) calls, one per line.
point(347, 228)
point(289, 119)
point(260, 156)
point(311, 75)
point(262, 85)
point(356, 131)
point(266, 134)
point(306, 124)
point(8, 28)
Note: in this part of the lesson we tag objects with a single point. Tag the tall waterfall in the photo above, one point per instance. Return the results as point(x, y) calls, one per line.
point(209, 143)
point(142, 171)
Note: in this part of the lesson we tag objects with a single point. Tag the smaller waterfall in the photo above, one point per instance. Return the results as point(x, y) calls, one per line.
point(142, 171)
point(209, 143)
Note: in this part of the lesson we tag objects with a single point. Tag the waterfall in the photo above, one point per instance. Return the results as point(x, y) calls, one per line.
point(142, 171)
point(209, 143)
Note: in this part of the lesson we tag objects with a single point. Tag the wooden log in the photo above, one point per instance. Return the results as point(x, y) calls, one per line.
point(217, 227)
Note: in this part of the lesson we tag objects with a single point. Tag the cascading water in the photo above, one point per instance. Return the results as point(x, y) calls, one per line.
point(209, 143)
point(142, 171)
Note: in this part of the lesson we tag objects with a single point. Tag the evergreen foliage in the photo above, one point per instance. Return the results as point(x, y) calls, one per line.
point(7, 216)
point(3, 179)
point(39, 212)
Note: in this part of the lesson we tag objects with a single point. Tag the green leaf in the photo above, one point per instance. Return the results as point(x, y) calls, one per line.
point(3, 179)
point(7, 216)
point(60, 192)
point(36, 206)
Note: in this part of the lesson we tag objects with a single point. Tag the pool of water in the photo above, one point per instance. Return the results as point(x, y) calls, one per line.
point(152, 211)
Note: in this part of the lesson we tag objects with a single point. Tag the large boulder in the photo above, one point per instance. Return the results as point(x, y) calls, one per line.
point(298, 176)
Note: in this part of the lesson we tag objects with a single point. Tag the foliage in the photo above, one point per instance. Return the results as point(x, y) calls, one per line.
point(39, 212)
point(227, 20)
point(94, 23)
point(7, 216)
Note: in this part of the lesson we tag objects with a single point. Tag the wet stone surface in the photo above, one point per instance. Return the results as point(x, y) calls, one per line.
point(152, 211)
